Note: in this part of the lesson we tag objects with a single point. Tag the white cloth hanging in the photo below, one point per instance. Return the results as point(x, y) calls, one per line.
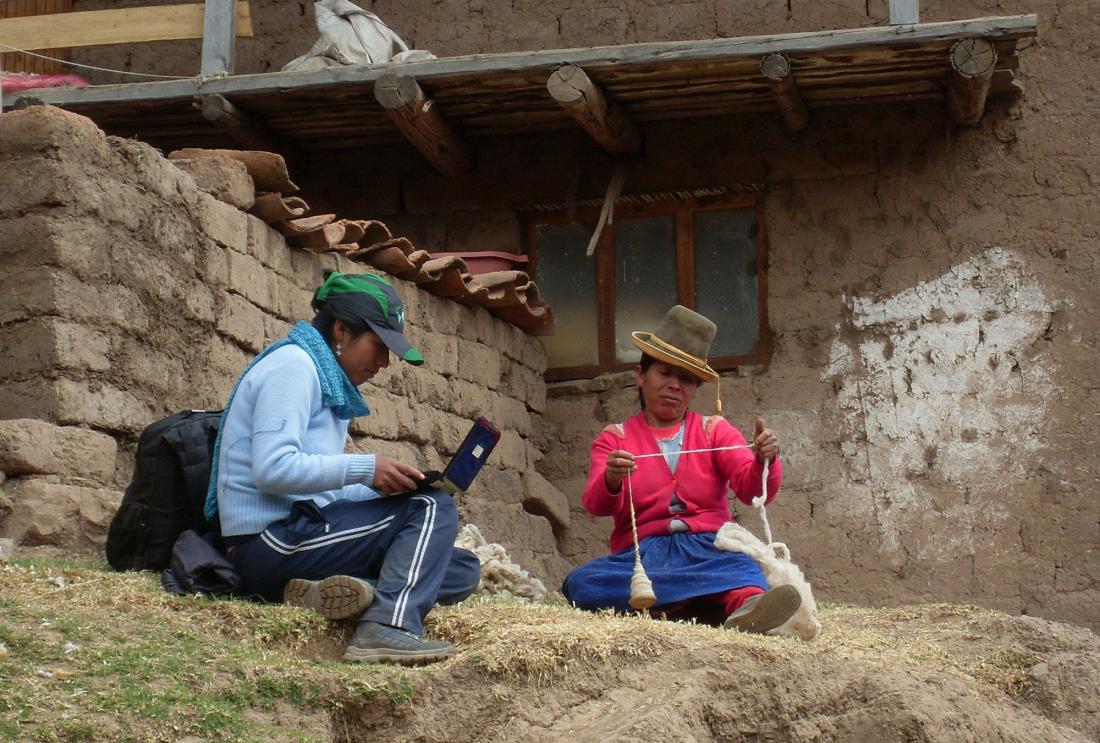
point(353, 36)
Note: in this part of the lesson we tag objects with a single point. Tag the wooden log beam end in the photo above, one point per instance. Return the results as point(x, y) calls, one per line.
point(395, 91)
point(776, 69)
point(420, 121)
point(972, 64)
point(605, 120)
point(246, 131)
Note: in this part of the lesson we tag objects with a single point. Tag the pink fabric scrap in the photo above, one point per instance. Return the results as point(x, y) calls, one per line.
point(15, 82)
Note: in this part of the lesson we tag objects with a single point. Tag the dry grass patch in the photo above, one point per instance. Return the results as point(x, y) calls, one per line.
point(89, 654)
point(508, 639)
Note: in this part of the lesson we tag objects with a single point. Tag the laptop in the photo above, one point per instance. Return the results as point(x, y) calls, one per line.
point(460, 472)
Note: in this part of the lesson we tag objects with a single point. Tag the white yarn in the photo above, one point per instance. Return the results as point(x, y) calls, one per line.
point(775, 560)
point(774, 557)
point(499, 575)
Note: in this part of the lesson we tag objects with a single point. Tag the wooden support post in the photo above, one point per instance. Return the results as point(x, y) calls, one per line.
point(904, 11)
point(972, 63)
point(776, 69)
point(419, 120)
point(219, 37)
point(604, 119)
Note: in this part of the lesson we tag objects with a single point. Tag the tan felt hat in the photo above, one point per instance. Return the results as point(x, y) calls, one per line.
point(683, 339)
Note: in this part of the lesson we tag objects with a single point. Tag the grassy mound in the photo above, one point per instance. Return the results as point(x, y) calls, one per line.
point(89, 654)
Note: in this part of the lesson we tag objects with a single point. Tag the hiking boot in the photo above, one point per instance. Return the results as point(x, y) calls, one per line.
point(765, 611)
point(381, 643)
point(337, 597)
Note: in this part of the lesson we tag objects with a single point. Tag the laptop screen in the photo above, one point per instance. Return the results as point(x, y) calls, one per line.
point(471, 454)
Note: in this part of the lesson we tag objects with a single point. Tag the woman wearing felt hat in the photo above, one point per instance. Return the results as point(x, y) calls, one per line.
point(311, 525)
point(679, 499)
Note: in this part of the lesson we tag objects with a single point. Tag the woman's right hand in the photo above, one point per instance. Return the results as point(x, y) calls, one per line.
point(620, 463)
point(391, 476)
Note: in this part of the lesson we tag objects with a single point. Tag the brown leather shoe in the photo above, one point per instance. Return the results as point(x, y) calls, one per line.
point(765, 611)
point(338, 597)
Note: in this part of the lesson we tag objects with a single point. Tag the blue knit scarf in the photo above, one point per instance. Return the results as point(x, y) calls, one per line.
point(337, 392)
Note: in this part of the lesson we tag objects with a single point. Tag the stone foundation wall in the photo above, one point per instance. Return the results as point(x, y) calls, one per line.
point(129, 293)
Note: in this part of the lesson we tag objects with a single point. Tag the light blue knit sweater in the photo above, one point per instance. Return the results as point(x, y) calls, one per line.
point(279, 444)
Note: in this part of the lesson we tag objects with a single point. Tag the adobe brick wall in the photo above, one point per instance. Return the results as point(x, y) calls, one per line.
point(129, 293)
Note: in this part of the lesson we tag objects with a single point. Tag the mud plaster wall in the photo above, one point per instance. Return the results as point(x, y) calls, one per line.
point(931, 290)
point(128, 293)
point(933, 311)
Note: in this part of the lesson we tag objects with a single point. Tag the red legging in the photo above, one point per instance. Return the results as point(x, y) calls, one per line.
point(730, 601)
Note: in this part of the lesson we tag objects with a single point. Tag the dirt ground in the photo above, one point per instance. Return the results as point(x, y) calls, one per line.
point(930, 673)
point(88, 654)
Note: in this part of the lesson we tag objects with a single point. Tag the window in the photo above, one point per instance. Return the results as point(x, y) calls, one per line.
point(707, 254)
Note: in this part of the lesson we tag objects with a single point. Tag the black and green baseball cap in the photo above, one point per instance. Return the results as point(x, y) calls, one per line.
point(373, 299)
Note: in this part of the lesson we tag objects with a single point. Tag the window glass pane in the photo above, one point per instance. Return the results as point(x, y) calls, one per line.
point(645, 278)
point(726, 290)
point(567, 281)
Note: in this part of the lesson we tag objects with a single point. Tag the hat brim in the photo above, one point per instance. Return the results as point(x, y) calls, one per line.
point(397, 343)
point(669, 355)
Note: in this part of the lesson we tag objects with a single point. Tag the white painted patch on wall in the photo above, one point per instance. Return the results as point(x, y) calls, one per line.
point(941, 405)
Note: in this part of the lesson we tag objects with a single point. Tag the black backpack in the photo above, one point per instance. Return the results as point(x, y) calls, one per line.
point(167, 493)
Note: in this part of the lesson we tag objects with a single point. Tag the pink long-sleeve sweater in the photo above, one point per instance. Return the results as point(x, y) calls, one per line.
point(700, 480)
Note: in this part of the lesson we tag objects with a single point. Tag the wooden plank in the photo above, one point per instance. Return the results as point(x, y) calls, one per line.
point(603, 118)
point(904, 11)
point(114, 26)
point(605, 296)
point(623, 88)
point(219, 37)
point(592, 60)
point(685, 256)
point(14, 62)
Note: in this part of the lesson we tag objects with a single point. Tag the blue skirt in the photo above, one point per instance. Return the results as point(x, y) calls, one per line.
point(682, 567)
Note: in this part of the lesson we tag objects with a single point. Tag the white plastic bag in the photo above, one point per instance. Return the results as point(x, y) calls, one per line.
point(353, 36)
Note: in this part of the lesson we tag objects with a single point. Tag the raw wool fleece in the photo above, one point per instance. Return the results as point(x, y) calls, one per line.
point(499, 575)
point(775, 560)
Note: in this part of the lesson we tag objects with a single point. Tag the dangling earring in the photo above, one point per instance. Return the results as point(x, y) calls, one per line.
point(337, 349)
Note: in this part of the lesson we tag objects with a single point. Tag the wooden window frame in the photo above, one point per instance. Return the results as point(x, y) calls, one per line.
point(683, 210)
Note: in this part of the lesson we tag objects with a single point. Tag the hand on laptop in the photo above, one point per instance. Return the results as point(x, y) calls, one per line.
point(391, 476)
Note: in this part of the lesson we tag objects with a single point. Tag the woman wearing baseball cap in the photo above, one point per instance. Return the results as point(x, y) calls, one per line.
point(679, 499)
point(307, 523)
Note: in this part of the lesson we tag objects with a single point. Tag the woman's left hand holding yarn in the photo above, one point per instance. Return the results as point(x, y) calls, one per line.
point(765, 443)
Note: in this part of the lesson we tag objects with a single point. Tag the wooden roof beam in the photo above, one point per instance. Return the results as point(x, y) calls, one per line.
point(603, 118)
point(612, 59)
point(776, 69)
point(245, 130)
point(419, 120)
point(972, 62)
